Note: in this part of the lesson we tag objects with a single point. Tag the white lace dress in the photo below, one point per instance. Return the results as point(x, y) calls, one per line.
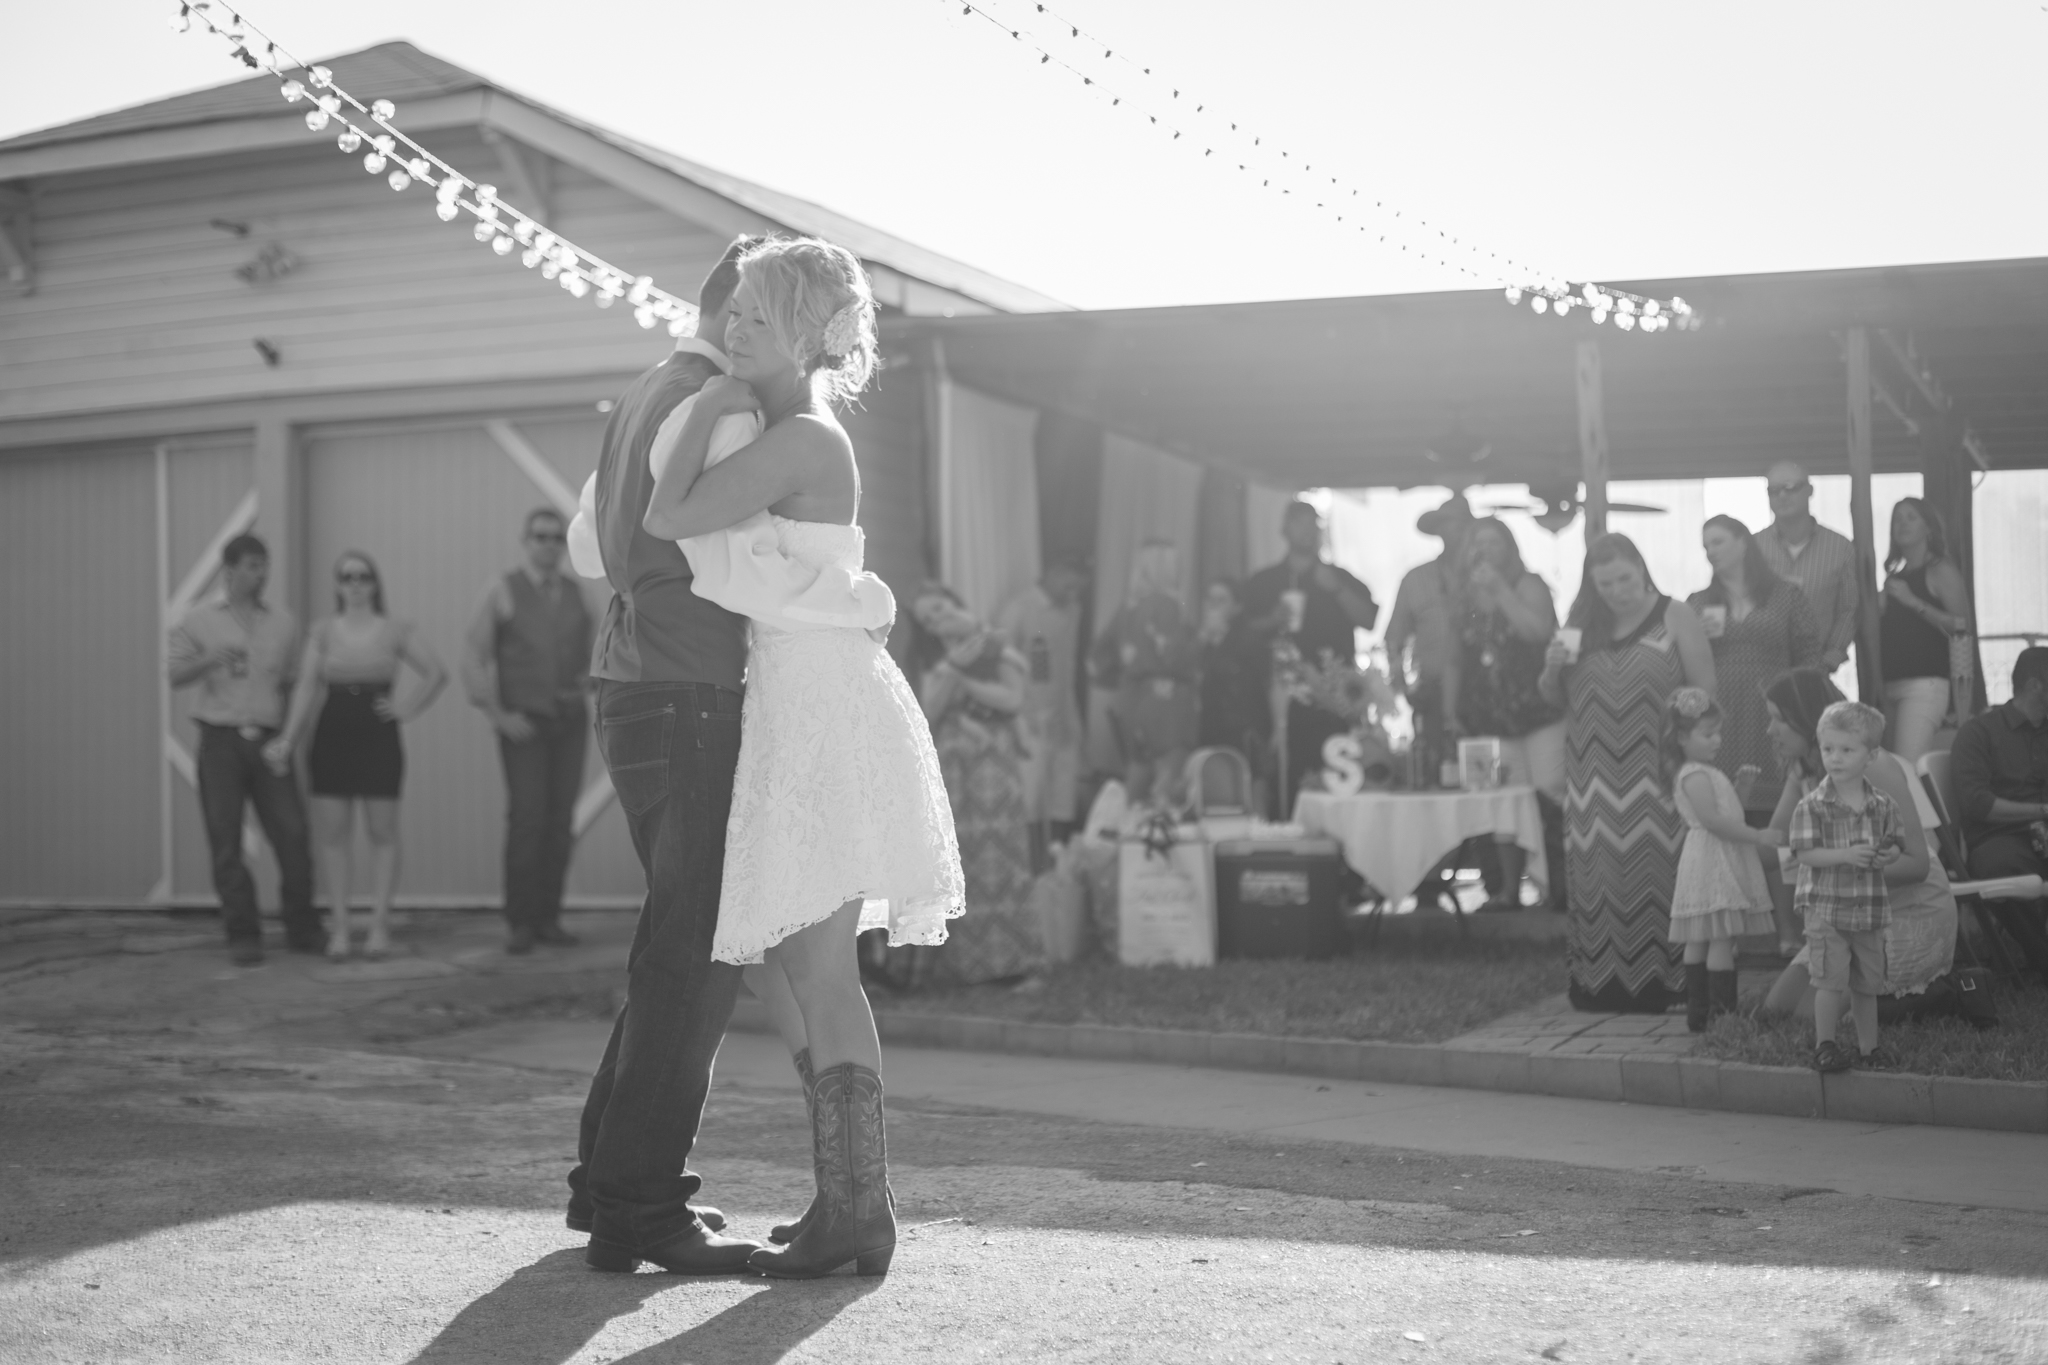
point(838, 794)
point(1720, 891)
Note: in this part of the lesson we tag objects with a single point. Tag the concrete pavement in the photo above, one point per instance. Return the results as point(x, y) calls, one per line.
point(1898, 1161)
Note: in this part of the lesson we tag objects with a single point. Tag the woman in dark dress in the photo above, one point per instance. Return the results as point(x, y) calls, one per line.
point(1622, 834)
point(1925, 603)
point(1759, 627)
point(971, 685)
point(345, 693)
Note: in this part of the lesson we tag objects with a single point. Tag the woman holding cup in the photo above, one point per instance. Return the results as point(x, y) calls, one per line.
point(1759, 627)
point(1624, 649)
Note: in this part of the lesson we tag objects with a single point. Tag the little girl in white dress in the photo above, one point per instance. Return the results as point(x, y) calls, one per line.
point(1720, 893)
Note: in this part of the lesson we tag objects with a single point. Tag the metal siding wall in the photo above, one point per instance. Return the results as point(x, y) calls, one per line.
point(889, 443)
point(78, 732)
point(441, 511)
point(138, 302)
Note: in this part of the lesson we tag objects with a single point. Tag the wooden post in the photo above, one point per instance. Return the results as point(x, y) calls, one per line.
point(1592, 439)
point(1869, 681)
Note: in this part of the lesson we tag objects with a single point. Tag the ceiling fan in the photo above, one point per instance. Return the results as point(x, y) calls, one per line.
point(1557, 504)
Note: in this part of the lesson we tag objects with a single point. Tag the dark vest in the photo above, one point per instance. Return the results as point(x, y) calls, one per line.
point(542, 647)
point(656, 629)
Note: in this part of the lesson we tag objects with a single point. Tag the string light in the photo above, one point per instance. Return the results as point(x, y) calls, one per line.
point(1186, 119)
point(499, 225)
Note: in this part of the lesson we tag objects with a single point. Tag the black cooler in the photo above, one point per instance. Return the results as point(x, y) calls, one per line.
point(1279, 898)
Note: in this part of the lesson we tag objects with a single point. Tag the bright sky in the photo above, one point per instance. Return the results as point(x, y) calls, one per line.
point(1593, 138)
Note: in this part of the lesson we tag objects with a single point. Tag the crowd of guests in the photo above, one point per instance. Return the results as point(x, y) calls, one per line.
point(265, 696)
point(1584, 714)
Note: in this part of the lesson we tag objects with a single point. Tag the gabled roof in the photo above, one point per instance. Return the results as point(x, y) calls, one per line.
point(393, 71)
point(400, 72)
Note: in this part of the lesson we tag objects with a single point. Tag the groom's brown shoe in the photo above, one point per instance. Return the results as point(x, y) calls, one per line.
point(695, 1252)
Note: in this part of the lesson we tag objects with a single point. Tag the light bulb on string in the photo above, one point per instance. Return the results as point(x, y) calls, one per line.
point(292, 91)
point(1625, 321)
point(383, 111)
point(529, 258)
point(373, 162)
point(550, 268)
point(606, 299)
point(644, 316)
point(349, 141)
point(679, 327)
point(502, 245)
point(446, 210)
point(1650, 309)
point(322, 77)
point(1539, 304)
point(523, 231)
point(316, 119)
point(485, 229)
point(398, 180)
point(1513, 294)
point(576, 285)
point(384, 143)
point(1563, 306)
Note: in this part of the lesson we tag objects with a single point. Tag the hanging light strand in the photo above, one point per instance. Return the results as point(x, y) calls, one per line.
point(402, 162)
point(1106, 71)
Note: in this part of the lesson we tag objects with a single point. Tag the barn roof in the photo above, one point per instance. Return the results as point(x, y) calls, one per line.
point(1404, 390)
point(404, 74)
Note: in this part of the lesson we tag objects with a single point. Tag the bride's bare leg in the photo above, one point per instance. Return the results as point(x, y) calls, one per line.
point(771, 987)
point(824, 976)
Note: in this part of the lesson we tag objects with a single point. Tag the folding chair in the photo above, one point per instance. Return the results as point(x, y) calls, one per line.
point(1975, 926)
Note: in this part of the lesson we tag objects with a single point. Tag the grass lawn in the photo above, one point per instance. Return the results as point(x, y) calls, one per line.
point(1417, 991)
point(2017, 1050)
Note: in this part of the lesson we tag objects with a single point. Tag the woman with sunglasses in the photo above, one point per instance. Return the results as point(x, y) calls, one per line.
point(345, 693)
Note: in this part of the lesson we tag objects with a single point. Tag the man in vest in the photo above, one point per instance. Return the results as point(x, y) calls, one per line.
point(669, 666)
point(527, 667)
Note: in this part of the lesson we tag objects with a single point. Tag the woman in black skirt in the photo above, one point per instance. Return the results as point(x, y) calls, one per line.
point(344, 693)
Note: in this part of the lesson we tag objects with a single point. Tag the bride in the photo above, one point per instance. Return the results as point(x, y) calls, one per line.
point(840, 820)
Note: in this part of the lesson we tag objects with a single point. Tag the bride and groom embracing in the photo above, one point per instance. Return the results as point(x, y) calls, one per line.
point(773, 832)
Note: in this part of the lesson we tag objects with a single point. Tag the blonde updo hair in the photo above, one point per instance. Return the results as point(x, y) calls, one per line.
point(802, 283)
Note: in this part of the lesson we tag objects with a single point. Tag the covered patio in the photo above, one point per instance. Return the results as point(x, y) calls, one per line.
point(1937, 369)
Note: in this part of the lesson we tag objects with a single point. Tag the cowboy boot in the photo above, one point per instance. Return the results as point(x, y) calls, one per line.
point(1696, 1002)
point(1720, 993)
point(851, 1220)
point(784, 1233)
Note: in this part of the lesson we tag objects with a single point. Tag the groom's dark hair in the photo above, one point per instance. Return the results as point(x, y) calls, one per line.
point(718, 286)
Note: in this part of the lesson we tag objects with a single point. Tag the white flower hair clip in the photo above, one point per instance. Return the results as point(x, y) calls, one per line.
point(842, 333)
point(1691, 702)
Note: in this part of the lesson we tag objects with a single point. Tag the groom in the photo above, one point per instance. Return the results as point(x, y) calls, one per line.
point(668, 668)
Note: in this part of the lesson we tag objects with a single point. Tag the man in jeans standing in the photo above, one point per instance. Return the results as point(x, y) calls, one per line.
point(669, 666)
point(527, 666)
point(242, 654)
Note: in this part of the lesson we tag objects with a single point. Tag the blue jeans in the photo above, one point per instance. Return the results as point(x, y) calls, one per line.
point(543, 777)
point(671, 749)
point(231, 773)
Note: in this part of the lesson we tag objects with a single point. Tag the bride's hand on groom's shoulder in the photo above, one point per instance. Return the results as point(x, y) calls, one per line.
point(724, 394)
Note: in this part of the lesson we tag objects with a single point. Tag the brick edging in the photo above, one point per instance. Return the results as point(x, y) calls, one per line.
point(1635, 1078)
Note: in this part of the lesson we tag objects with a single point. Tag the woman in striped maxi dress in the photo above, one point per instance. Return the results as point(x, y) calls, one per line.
point(1622, 834)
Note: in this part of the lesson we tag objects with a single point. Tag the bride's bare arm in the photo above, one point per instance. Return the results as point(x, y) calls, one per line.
point(788, 458)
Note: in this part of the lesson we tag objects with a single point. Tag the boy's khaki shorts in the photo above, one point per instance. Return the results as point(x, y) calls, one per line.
point(1845, 959)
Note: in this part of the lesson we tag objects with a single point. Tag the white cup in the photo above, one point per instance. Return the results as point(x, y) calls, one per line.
point(1296, 603)
point(1571, 636)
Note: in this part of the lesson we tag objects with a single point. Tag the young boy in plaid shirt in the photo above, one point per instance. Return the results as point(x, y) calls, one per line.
point(1845, 832)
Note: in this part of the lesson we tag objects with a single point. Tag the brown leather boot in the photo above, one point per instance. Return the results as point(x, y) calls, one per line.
point(851, 1221)
point(784, 1233)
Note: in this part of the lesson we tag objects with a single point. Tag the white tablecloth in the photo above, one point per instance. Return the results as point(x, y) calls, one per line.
point(1392, 838)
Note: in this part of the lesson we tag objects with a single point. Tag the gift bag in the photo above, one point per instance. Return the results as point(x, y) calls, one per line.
point(1166, 904)
point(1059, 898)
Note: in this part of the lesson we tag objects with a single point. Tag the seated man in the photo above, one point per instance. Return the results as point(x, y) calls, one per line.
point(1999, 772)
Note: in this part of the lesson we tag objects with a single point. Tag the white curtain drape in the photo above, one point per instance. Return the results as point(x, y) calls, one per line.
point(1262, 509)
point(988, 491)
point(1147, 494)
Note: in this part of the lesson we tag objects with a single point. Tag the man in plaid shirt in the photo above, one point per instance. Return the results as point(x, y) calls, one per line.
point(1845, 832)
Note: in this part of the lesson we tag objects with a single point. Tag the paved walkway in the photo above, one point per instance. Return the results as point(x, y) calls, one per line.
point(1554, 1026)
point(1903, 1161)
